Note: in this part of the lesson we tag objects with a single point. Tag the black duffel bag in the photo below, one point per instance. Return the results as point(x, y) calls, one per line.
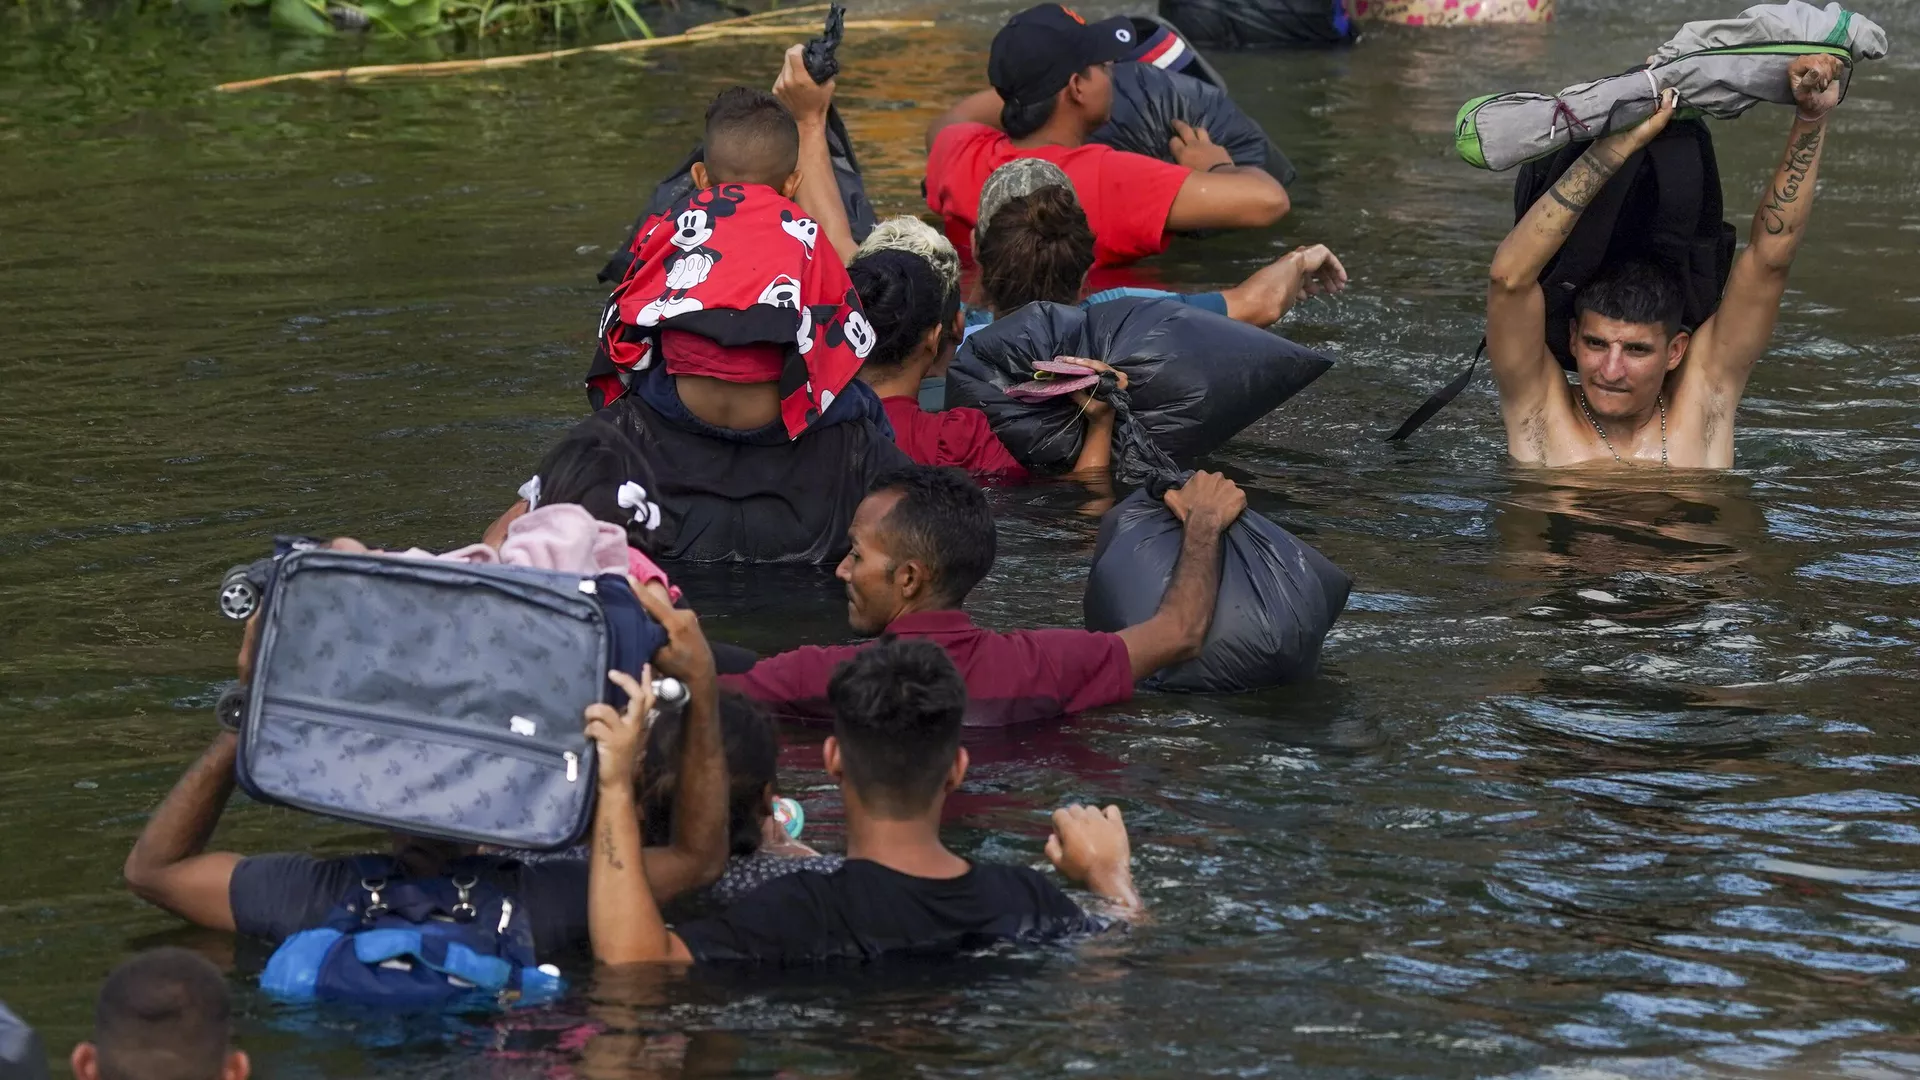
point(1147, 100)
point(1194, 379)
point(1278, 596)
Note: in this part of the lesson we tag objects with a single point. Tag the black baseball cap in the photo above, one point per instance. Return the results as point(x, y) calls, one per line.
point(1039, 49)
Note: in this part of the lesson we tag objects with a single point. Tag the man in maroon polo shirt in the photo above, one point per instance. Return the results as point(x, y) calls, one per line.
point(922, 539)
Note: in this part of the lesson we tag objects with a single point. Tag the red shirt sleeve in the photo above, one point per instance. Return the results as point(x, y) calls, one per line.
point(1136, 195)
point(968, 439)
point(1082, 669)
point(793, 684)
point(961, 158)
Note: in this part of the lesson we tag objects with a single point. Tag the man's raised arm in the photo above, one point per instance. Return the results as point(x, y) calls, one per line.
point(1731, 342)
point(819, 192)
point(697, 850)
point(1516, 308)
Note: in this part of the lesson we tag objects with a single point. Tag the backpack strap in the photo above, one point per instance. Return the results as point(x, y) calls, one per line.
point(1439, 398)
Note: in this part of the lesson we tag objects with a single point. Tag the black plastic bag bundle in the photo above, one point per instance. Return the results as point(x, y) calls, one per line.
point(846, 171)
point(1278, 596)
point(1147, 100)
point(1194, 379)
point(1259, 24)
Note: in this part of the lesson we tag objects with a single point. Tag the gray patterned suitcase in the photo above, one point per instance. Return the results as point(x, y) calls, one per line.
point(432, 698)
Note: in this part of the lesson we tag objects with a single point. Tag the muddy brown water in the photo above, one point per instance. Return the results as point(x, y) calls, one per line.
point(1603, 777)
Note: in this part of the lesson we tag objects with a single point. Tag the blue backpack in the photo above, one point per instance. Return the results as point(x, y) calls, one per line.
point(415, 943)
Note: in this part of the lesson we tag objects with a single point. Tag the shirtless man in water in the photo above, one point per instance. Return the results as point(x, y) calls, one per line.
point(1649, 392)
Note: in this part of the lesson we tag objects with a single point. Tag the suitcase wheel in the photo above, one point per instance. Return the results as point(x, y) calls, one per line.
point(239, 596)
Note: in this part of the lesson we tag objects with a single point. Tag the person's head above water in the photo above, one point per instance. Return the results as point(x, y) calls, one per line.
point(1051, 68)
point(597, 466)
point(912, 312)
point(1021, 176)
point(753, 754)
point(163, 1015)
point(1036, 247)
point(751, 139)
point(921, 540)
point(898, 707)
point(1627, 336)
point(910, 234)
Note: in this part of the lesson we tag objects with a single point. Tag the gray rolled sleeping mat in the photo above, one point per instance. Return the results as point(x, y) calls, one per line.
point(1722, 67)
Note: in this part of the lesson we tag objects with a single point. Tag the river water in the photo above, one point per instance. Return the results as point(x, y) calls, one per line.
point(1605, 775)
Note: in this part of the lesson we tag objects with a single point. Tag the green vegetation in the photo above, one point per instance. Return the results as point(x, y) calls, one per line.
point(424, 18)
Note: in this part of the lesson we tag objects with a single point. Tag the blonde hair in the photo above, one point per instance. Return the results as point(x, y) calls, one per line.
point(916, 237)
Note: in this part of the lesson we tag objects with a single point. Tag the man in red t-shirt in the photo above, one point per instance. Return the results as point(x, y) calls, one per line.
point(924, 538)
point(1052, 89)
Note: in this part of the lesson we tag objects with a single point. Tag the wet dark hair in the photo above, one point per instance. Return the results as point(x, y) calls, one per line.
point(753, 752)
point(163, 1015)
point(942, 519)
point(1020, 121)
point(588, 466)
point(903, 297)
point(1635, 291)
point(897, 710)
point(751, 138)
point(1037, 247)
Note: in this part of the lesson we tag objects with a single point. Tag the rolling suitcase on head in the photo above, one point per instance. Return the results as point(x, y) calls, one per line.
point(436, 699)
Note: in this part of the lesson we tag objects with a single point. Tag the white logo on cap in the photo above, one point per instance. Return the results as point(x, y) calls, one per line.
point(1124, 35)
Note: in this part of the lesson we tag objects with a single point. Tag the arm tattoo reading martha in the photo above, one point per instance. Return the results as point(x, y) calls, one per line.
point(1799, 160)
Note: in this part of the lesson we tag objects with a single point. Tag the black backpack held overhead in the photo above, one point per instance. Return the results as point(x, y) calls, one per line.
point(1663, 206)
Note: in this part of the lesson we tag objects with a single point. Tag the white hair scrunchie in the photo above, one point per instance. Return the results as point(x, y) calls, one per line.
point(646, 513)
point(530, 491)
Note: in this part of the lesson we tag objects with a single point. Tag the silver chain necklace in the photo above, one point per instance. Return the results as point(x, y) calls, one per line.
point(1662, 400)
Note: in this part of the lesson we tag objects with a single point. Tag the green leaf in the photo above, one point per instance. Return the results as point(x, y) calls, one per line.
point(498, 11)
point(625, 7)
point(300, 17)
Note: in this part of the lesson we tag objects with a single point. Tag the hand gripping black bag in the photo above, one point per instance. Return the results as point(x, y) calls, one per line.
point(437, 699)
point(1194, 379)
point(1147, 100)
point(1278, 596)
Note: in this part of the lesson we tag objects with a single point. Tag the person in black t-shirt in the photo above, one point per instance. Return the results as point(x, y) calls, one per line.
point(896, 753)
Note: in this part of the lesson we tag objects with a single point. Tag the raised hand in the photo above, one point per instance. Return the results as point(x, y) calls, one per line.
point(686, 655)
point(1815, 79)
point(1090, 848)
point(805, 99)
point(622, 736)
point(1626, 142)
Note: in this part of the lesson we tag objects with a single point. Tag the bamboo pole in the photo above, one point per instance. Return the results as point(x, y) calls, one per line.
point(745, 26)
